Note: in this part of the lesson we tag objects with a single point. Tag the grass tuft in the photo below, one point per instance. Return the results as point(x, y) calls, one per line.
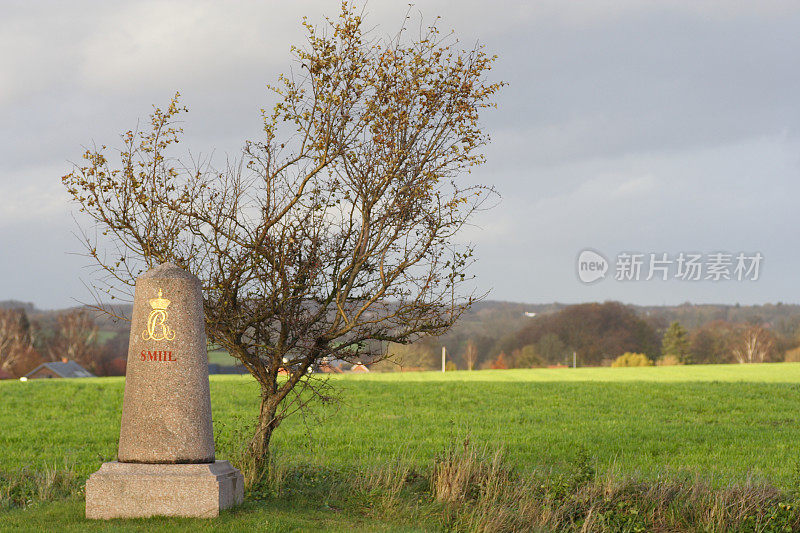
point(482, 493)
point(23, 487)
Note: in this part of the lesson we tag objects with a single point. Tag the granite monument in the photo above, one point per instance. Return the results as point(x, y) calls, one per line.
point(165, 464)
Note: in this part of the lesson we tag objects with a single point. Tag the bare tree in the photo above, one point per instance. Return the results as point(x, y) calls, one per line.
point(75, 339)
point(336, 229)
point(470, 354)
point(752, 344)
point(422, 355)
point(16, 344)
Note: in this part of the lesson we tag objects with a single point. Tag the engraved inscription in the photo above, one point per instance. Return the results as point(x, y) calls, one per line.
point(157, 328)
point(161, 356)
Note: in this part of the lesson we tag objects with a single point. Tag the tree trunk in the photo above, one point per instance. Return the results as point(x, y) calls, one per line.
point(259, 444)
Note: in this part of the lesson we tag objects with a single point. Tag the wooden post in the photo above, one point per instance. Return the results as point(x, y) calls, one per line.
point(444, 354)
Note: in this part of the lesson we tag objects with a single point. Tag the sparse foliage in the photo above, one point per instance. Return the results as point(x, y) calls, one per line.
point(527, 357)
point(751, 344)
point(632, 359)
point(335, 229)
point(422, 355)
point(470, 354)
point(501, 363)
point(668, 360)
point(75, 339)
point(551, 348)
point(16, 343)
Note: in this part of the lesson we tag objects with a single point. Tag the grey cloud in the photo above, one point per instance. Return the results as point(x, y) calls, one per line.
point(626, 125)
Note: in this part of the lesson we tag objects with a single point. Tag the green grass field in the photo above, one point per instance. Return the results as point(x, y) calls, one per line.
point(722, 423)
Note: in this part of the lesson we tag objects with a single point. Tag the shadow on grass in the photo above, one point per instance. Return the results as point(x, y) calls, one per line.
point(276, 516)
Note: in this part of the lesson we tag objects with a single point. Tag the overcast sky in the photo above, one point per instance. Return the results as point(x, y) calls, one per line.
point(646, 127)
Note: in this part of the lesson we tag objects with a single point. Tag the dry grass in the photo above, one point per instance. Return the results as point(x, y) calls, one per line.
point(480, 493)
point(463, 471)
point(473, 488)
point(23, 487)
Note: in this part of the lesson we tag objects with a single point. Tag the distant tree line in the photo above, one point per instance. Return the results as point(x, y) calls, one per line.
point(491, 335)
point(598, 334)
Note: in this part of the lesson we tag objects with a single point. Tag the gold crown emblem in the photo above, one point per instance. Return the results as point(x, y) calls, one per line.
point(160, 303)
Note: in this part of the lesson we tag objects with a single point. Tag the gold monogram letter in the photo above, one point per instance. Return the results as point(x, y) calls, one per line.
point(157, 328)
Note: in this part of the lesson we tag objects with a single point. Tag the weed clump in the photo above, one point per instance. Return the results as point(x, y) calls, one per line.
point(24, 487)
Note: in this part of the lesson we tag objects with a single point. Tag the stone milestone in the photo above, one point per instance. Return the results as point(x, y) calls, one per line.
point(166, 410)
point(166, 463)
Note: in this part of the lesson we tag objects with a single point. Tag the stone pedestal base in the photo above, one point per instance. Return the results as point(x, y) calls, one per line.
point(131, 490)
